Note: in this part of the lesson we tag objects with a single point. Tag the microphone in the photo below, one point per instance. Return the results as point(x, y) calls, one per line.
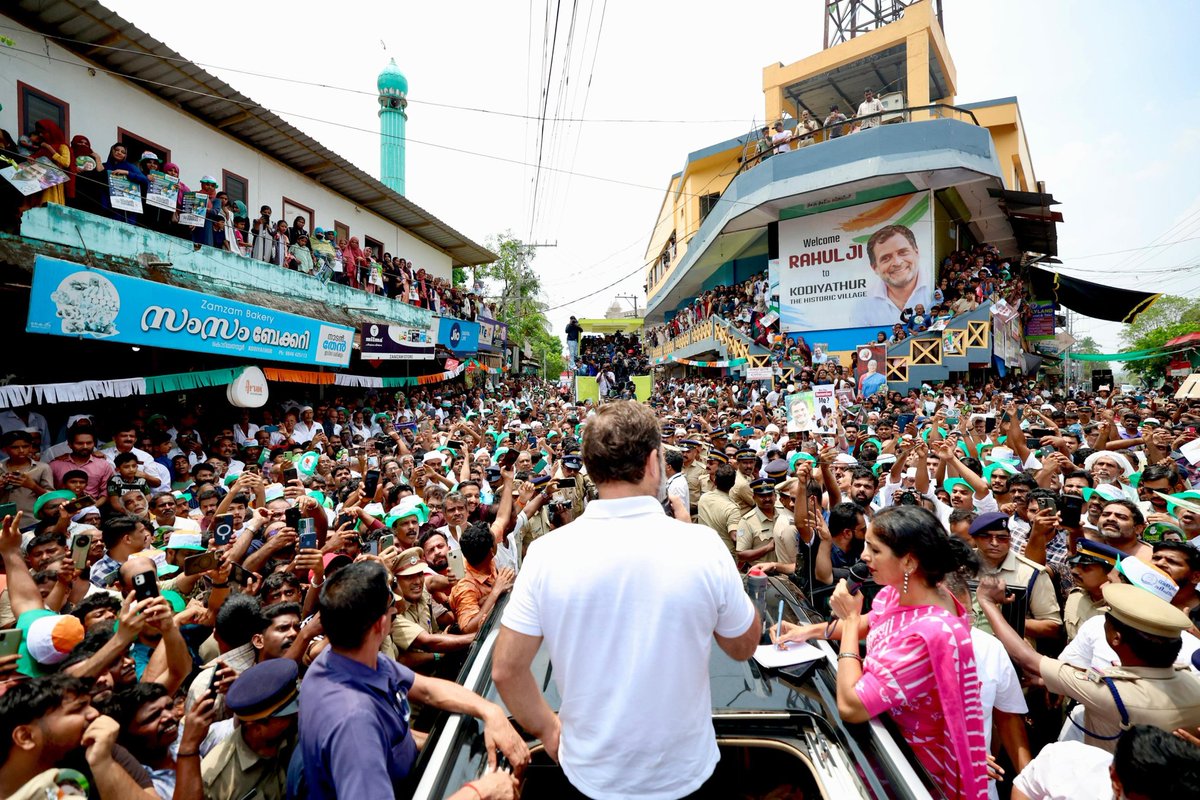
point(859, 574)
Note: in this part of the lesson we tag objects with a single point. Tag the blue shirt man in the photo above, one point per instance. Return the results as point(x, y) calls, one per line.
point(354, 719)
point(355, 740)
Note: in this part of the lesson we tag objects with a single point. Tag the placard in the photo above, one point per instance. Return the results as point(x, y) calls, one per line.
point(195, 207)
point(759, 373)
point(124, 194)
point(802, 412)
point(826, 405)
point(163, 191)
point(33, 176)
point(870, 369)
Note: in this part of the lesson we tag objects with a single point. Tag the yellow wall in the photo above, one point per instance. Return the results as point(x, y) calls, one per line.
point(1003, 122)
point(918, 29)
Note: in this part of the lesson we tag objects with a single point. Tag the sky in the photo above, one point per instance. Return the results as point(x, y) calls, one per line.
point(1105, 88)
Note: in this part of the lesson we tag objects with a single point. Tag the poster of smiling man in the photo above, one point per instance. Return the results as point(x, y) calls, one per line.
point(858, 266)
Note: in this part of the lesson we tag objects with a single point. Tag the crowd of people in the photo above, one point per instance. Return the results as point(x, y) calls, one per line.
point(174, 577)
point(227, 224)
point(743, 305)
point(613, 359)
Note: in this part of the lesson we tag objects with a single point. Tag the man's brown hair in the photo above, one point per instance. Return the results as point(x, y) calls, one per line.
point(885, 233)
point(617, 440)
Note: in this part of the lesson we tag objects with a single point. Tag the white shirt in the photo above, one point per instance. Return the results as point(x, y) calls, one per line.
point(304, 433)
point(244, 438)
point(781, 140)
point(1089, 648)
point(573, 583)
point(1067, 771)
point(9, 421)
point(181, 524)
point(147, 464)
point(677, 485)
point(872, 106)
point(879, 309)
point(999, 686)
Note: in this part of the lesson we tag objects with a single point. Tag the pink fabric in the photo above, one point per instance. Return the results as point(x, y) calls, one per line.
point(920, 667)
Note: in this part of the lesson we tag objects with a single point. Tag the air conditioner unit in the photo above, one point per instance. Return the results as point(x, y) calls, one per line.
point(893, 103)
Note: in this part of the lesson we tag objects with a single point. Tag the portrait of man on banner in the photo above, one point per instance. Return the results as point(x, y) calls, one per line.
point(802, 412)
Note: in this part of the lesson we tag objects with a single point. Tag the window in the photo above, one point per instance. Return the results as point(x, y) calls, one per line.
point(292, 209)
point(374, 244)
point(342, 230)
point(136, 145)
point(237, 187)
point(33, 105)
point(707, 201)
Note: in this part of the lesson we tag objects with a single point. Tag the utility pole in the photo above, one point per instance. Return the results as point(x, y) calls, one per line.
point(631, 298)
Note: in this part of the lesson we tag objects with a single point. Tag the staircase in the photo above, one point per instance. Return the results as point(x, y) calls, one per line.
point(717, 339)
point(931, 356)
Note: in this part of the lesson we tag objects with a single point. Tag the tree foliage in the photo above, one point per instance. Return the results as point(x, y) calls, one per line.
point(1087, 346)
point(511, 280)
point(1168, 318)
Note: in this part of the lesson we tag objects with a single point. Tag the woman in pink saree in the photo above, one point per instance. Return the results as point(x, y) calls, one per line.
point(920, 665)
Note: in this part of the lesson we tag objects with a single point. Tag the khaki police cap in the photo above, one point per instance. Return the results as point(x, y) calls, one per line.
point(1142, 610)
point(412, 561)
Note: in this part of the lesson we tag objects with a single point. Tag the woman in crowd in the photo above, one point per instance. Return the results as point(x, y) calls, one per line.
point(262, 234)
point(118, 164)
point(297, 230)
point(280, 244)
point(920, 660)
point(353, 257)
point(203, 234)
point(50, 146)
point(153, 217)
point(175, 229)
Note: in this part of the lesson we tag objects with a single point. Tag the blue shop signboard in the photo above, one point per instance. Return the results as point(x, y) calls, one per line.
point(69, 299)
point(458, 335)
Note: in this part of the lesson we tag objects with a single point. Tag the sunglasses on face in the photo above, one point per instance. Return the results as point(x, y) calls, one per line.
point(999, 538)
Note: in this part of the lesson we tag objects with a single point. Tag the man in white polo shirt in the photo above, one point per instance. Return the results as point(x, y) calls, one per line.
point(629, 640)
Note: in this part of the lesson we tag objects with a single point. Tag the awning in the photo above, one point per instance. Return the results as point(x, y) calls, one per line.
point(605, 326)
point(1034, 224)
point(1090, 299)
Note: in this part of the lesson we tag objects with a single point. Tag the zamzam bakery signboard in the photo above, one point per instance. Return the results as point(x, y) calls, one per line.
point(69, 299)
point(856, 267)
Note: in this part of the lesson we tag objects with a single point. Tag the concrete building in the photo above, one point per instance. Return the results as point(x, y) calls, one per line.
point(94, 73)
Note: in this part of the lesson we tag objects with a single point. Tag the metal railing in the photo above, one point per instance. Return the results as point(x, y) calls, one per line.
point(848, 127)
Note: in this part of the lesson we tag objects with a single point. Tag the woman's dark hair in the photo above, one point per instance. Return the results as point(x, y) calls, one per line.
point(912, 529)
point(352, 601)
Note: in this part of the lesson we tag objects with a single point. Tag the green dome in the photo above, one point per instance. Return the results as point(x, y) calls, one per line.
point(392, 80)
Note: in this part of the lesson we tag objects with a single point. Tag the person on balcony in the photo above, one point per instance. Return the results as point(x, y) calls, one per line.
point(834, 123)
point(781, 139)
point(867, 108)
point(51, 147)
point(805, 129)
point(118, 164)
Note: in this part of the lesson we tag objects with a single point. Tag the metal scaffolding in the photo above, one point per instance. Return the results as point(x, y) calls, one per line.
point(845, 19)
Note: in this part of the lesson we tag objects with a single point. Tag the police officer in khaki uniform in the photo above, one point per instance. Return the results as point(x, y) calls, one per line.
point(716, 509)
point(253, 760)
point(1089, 571)
point(537, 523)
point(741, 491)
point(1147, 689)
point(418, 638)
point(756, 531)
point(693, 469)
point(569, 469)
point(989, 532)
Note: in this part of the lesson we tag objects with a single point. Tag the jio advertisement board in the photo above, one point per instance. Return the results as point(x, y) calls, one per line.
point(856, 267)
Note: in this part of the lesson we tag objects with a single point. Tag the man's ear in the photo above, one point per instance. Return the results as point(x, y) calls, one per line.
point(24, 737)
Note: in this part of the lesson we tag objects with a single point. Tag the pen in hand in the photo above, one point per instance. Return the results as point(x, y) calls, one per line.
point(779, 628)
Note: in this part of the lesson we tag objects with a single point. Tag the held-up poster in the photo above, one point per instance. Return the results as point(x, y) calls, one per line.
point(32, 176)
point(802, 412)
point(124, 194)
point(826, 406)
point(870, 369)
point(856, 267)
point(163, 191)
point(195, 207)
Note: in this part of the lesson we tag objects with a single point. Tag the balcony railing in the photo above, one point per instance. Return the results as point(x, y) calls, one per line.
point(822, 134)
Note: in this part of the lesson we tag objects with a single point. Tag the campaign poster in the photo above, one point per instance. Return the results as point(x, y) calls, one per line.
point(802, 412)
point(856, 267)
point(33, 176)
point(826, 406)
point(163, 191)
point(845, 397)
point(123, 194)
point(195, 207)
point(820, 353)
point(1041, 324)
point(870, 370)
